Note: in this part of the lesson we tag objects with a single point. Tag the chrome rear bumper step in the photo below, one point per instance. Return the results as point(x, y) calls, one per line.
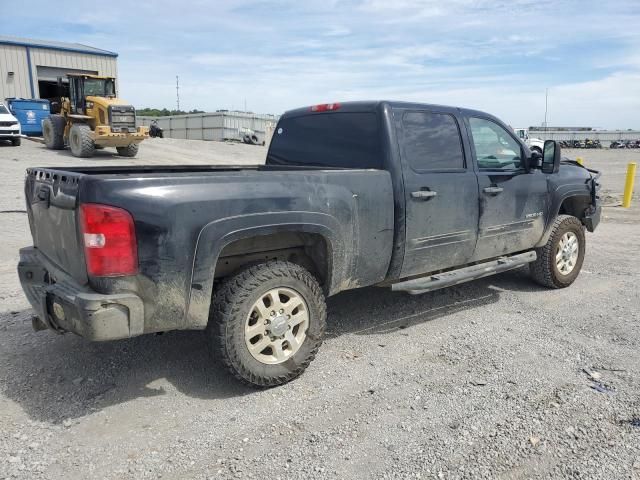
point(417, 286)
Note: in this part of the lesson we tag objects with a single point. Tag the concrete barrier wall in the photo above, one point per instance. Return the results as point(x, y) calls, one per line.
point(218, 126)
point(602, 135)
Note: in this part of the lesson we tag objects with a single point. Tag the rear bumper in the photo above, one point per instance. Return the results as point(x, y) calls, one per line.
point(64, 306)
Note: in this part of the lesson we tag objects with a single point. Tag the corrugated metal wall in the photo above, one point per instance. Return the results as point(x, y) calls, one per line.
point(14, 59)
point(213, 126)
point(107, 66)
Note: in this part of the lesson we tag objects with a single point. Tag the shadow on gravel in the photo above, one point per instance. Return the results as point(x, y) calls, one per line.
point(54, 378)
point(99, 154)
point(379, 310)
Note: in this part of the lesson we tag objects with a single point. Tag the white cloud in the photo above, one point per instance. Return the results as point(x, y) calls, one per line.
point(496, 55)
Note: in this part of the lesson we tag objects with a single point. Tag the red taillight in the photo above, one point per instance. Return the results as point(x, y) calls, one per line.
point(109, 238)
point(325, 107)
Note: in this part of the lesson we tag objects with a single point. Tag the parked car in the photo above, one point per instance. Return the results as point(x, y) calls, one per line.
point(413, 197)
point(9, 126)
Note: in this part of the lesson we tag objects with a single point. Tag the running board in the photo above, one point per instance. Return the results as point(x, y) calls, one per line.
point(465, 274)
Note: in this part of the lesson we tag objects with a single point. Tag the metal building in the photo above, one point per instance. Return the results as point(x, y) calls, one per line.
point(30, 68)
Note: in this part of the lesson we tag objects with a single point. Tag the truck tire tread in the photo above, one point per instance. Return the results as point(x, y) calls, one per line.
point(543, 269)
point(56, 124)
point(226, 311)
point(128, 151)
point(86, 146)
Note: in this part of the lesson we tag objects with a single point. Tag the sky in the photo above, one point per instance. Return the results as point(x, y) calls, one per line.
point(494, 55)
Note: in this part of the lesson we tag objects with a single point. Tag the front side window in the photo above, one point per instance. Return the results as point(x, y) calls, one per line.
point(431, 141)
point(99, 87)
point(495, 148)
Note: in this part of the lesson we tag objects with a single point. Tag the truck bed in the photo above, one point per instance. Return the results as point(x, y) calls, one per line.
point(185, 215)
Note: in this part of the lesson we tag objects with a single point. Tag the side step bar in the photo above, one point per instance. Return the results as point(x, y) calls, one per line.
point(465, 274)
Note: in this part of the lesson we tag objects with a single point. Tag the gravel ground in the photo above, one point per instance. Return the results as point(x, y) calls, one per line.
point(497, 378)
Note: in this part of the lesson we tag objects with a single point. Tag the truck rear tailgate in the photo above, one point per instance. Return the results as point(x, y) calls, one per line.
point(51, 197)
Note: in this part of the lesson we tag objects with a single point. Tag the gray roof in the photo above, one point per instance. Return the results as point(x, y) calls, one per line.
point(54, 45)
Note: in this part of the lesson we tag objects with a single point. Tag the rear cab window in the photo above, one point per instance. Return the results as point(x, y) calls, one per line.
point(329, 139)
point(431, 141)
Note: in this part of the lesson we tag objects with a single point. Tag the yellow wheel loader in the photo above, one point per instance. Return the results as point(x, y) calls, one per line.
point(91, 117)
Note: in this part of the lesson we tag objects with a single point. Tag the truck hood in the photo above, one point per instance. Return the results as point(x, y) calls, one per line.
point(7, 117)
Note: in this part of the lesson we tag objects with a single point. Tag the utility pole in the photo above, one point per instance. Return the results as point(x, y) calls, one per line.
point(178, 92)
point(546, 107)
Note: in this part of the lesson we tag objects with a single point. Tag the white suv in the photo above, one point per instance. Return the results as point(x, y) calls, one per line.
point(9, 126)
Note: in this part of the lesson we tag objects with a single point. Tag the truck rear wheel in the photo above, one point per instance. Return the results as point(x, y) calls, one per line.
point(128, 151)
point(81, 141)
point(560, 260)
point(53, 132)
point(267, 323)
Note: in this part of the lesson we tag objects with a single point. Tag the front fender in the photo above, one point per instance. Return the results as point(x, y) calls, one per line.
point(216, 235)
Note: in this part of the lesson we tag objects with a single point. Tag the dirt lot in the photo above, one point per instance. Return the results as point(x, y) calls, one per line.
point(497, 378)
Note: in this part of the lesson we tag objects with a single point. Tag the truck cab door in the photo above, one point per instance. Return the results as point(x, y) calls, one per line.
point(513, 202)
point(441, 191)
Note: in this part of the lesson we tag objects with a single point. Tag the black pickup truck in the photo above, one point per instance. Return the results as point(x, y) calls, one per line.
point(413, 197)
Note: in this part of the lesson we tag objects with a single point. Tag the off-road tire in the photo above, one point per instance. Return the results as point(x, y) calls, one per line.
point(231, 304)
point(544, 270)
point(16, 142)
point(128, 151)
point(80, 141)
point(53, 132)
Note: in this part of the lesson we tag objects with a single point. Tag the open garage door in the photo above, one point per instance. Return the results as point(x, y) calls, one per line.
point(48, 81)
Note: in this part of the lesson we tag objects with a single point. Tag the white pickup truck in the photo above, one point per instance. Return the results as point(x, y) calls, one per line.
point(533, 143)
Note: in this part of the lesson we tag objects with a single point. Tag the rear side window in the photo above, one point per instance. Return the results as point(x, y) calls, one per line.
point(337, 139)
point(431, 141)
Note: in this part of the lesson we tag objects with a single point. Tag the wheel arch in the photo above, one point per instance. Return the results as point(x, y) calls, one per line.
point(317, 240)
point(573, 203)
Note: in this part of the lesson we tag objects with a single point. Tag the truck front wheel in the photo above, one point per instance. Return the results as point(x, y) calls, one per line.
point(267, 323)
point(560, 259)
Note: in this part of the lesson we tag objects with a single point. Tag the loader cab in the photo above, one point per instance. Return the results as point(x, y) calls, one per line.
point(83, 86)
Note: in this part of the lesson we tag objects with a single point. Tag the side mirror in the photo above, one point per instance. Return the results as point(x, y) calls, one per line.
point(551, 157)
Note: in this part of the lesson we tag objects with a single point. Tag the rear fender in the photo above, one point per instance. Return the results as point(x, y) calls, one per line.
point(215, 236)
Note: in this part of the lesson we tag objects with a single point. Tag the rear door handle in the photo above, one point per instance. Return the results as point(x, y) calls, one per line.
point(424, 194)
point(492, 190)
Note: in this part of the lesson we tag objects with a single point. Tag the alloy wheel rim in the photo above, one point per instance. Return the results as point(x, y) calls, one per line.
point(567, 253)
point(276, 326)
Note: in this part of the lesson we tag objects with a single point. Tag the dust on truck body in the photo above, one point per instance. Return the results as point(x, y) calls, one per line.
point(414, 197)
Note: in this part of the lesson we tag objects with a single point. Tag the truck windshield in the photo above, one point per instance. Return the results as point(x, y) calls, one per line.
point(3, 109)
point(99, 87)
point(336, 139)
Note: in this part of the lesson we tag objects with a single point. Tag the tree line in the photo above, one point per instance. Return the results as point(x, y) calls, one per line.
point(164, 112)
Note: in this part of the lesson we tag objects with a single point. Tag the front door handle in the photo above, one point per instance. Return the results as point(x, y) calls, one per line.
point(492, 190)
point(424, 194)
